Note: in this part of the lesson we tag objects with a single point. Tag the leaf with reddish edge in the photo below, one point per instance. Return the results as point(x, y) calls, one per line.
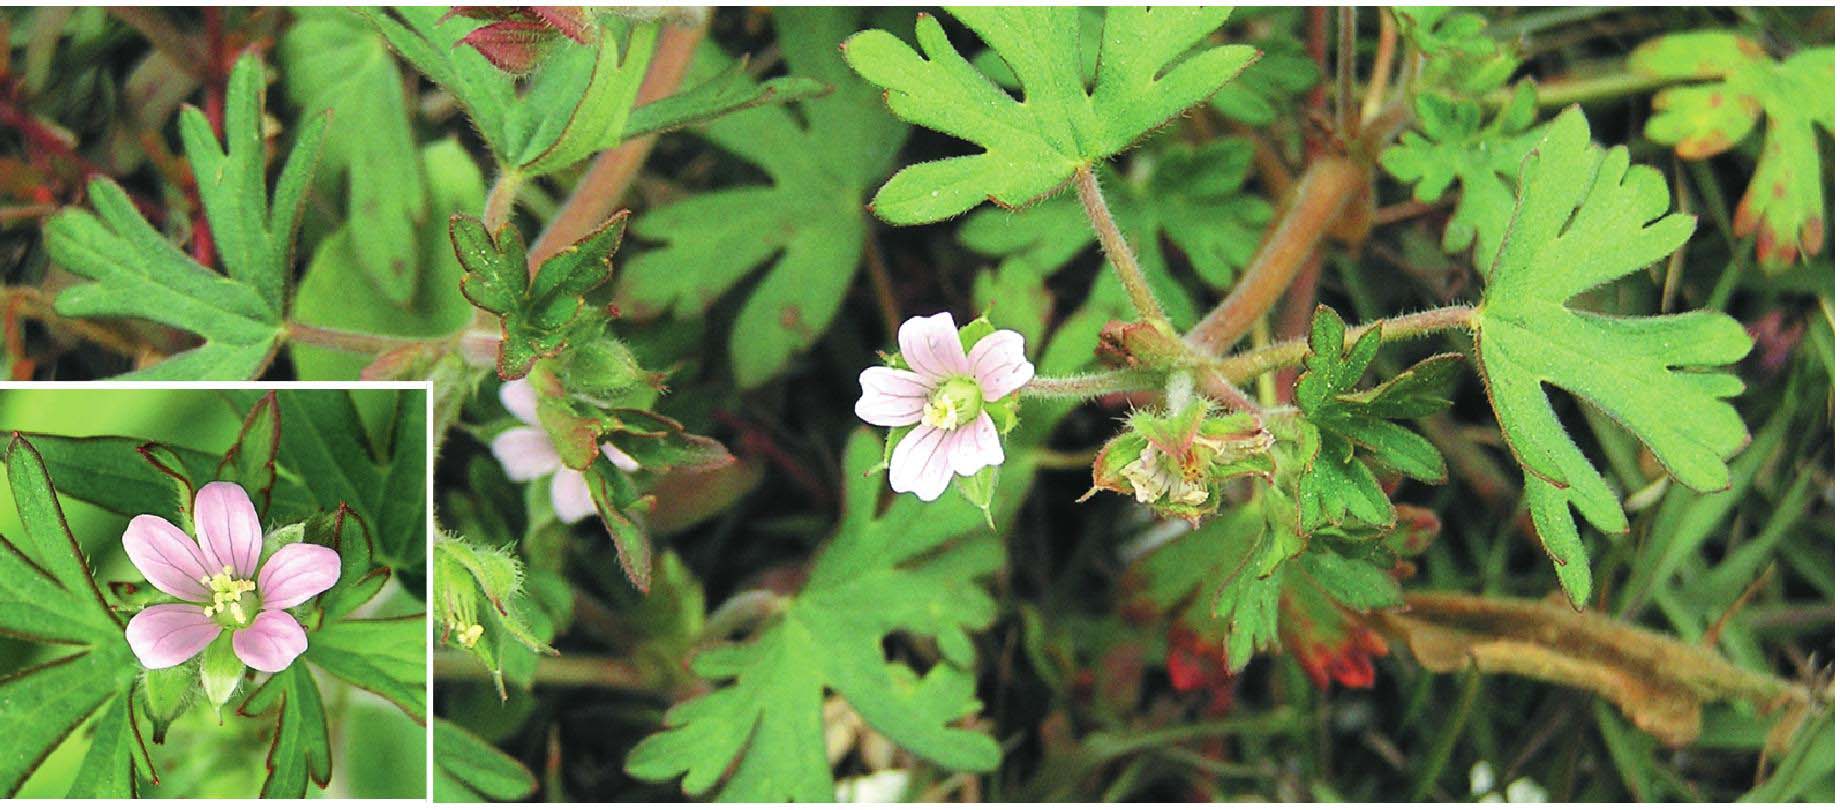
point(622, 511)
point(166, 462)
point(250, 462)
point(360, 578)
point(1326, 639)
point(301, 748)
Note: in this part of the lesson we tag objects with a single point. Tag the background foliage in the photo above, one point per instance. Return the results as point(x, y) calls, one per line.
point(800, 181)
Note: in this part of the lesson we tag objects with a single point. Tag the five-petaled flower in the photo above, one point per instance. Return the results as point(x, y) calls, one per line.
point(225, 584)
point(942, 392)
point(527, 453)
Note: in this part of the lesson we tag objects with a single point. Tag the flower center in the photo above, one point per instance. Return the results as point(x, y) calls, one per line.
point(1155, 475)
point(954, 402)
point(233, 601)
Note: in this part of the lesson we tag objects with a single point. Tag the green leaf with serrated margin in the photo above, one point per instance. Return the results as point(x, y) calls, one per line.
point(537, 313)
point(1585, 218)
point(1452, 144)
point(1149, 71)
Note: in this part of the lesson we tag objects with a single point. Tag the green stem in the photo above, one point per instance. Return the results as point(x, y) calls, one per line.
point(1090, 386)
point(607, 672)
point(1609, 86)
point(340, 340)
point(1240, 368)
point(1117, 250)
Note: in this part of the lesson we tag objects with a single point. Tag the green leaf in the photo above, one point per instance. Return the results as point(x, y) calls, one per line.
point(47, 595)
point(383, 656)
point(1335, 484)
point(1194, 198)
point(469, 769)
point(436, 309)
point(622, 511)
point(1585, 218)
point(111, 472)
point(728, 91)
point(1149, 71)
point(428, 38)
point(250, 462)
point(139, 274)
point(578, 100)
point(1459, 55)
point(1482, 160)
point(1210, 575)
point(117, 752)
point(332, 61)
point(380, 474)
point(539, 315)
point(807, 226)
point(913, 570)
point(1283, 72)
point(300, 749)
point(1784, 203)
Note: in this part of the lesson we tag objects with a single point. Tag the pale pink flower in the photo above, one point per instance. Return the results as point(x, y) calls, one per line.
point(527, 453)
point(218, 578)
point(942, 393)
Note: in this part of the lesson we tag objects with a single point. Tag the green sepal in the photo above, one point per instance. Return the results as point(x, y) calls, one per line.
point(219, 671)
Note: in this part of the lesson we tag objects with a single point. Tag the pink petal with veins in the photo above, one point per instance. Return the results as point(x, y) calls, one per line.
point(168, 635)
point(229, 531)
point(892, 397)
point(167, 557)
point(999, 364)
point(921, 463)
point(295, 573)
point(975, 446)
point(271, 642)
point(931, 348)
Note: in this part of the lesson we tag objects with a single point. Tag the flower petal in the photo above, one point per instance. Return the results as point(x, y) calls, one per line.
point(568, 493)
point(229, 532)
point(999, 364)
point(167, 557)
point(892, 397)
point(931, 348)
point(975, 446)
point(169, 635)
point(271, 642)
point(619, 457)
point(526, 453)
point(520, 399)
point(921, 463)
point(295, 573)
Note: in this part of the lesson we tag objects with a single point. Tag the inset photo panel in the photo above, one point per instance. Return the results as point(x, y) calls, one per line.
point(214, 592)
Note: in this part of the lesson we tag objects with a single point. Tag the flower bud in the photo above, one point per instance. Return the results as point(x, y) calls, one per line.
point(1178, 462)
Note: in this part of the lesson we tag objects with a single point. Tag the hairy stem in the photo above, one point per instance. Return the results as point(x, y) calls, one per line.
point(502, 199)
point(340, 340)
point(1322, 193)
point(1383, 66)
point(1090, 386)
point(1564, 92)
point(1117, 250)
point(1240, 368)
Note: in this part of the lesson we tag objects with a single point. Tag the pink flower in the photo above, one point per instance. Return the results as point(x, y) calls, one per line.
point(527, 453)
point(943, 391)
point(217, 577)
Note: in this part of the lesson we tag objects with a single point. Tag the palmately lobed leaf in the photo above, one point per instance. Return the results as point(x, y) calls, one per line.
point(1586, 218)
point(1146, 76)
point(914, 570)
point(807, 228)
point(1785, 203)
